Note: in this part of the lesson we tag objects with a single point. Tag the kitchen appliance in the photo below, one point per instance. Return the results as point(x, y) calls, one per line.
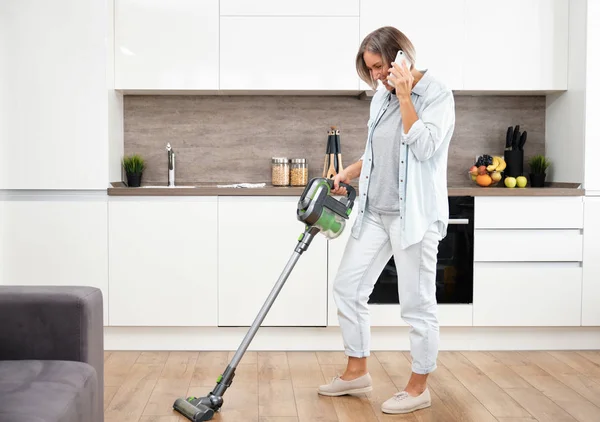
point(454, 275)
point(320, 213)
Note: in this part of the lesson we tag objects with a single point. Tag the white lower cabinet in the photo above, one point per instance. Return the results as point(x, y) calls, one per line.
point(590, 313)
point(528, 261)
point(54, 240)
point(527, 294)
point(163, 261)
point(257, 237)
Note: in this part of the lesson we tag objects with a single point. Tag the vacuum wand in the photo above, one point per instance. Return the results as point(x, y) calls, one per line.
point(320, 213)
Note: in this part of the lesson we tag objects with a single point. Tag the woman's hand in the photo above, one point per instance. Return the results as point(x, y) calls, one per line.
point(340, 177)
point(403, 80)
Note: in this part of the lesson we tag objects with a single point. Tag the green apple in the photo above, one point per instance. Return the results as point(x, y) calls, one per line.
point(521, 181)
point(510, 182)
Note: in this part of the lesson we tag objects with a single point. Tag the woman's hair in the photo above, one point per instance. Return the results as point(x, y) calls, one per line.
point(385, 41)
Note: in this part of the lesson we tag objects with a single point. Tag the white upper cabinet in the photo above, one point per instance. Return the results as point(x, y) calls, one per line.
point(592, 99)
point(516, 45)
point(167, 44)
point(289, 8)
point(53, 95)
point(289, 53)
point(438, 37)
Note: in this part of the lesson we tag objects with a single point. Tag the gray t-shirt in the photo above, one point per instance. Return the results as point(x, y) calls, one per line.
point(387, 135)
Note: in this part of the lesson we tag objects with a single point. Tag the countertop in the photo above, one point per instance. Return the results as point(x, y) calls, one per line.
point(211, 189)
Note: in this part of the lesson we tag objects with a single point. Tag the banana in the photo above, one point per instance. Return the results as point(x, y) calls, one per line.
point(501, 164)
point(494, 165)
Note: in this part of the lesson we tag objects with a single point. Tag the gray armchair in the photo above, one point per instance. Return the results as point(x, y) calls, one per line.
point(51, 354)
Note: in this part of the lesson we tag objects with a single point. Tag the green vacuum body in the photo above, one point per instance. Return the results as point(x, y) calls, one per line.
point(320, 212)
point(317, 208)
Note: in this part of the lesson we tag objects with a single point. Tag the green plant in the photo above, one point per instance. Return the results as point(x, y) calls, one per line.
point(539, 164)
point(134, 164)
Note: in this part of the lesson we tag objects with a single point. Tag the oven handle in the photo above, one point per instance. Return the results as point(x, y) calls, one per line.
point(464, 221)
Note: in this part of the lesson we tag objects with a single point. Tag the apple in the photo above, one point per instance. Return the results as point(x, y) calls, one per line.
point(496, 176)
point(510, 182)
point(473, 171)
point(482, 170)
point(521, 181)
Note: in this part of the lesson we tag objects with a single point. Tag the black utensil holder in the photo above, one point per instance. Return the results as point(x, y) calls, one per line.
point(514, 163)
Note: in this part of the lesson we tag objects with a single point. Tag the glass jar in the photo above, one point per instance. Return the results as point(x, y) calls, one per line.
point(280, 171)
point(298, 172)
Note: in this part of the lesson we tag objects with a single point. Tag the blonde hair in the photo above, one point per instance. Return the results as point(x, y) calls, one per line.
point(385, 41)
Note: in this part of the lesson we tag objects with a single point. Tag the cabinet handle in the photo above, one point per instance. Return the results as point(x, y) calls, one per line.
point(458, 221)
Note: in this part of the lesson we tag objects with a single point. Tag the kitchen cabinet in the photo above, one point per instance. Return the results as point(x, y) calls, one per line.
point(439, 40)
point(527, 294)
point(289, 8)
point(257, 237)
point(515, 45)
point(167, 44)
point(313, 53)
point(53, 102)
point(528, 254)
point(592, 100)
point(54, 240)
point(163, 261)
point(590, 314)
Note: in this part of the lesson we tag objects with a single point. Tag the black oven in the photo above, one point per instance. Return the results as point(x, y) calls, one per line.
point(454, 280)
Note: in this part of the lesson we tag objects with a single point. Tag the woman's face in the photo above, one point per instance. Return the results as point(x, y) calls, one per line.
point(379, 70)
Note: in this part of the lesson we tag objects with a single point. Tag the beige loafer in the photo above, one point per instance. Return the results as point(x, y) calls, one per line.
point(402, 402)
point(340, 387)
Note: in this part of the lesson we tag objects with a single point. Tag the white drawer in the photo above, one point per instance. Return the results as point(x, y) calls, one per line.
point(528, 245)
point(527, 294)
point(518, 212)
point(289, 8)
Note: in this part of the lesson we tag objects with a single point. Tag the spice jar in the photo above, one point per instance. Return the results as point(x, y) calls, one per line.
point(280, 171)
point(298, 172)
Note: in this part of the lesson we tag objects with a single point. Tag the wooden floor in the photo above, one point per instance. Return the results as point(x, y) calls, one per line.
point(280, 386)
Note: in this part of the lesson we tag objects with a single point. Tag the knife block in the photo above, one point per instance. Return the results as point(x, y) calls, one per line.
point(514, 163)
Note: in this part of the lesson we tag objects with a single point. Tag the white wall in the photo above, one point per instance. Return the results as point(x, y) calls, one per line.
point(565, 112)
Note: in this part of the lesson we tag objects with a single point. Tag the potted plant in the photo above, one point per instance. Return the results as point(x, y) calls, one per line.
point(134, 166)
point(538, 165)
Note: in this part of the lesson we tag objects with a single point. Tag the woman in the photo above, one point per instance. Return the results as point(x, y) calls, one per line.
point(403, 210)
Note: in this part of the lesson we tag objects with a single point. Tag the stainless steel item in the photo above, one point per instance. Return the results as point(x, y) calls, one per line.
point(298, 172)
point(171, 167)
point(280, 171)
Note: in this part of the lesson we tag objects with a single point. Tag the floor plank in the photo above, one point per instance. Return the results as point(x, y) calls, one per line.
point(501, 386)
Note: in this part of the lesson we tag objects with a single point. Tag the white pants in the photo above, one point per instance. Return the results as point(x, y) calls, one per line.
point(361, 265)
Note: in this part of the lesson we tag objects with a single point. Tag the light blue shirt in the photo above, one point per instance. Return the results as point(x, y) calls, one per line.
point(422, 180)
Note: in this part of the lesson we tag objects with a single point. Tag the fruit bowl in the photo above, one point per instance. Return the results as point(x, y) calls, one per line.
point(487, 170)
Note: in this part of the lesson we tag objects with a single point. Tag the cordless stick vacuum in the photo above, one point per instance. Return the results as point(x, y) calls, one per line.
point(320, 212)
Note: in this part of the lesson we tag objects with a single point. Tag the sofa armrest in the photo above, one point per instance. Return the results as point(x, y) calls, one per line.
point(53, 323)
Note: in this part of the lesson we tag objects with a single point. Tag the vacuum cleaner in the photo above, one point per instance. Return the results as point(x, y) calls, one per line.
point(320, 212)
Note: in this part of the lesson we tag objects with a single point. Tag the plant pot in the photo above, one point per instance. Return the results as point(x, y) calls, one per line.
point(537, 180)
point(134, 180)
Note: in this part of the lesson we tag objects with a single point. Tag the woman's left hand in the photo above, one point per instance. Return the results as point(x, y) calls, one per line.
point(402, 79)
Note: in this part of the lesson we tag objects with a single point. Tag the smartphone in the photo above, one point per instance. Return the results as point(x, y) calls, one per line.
point(400, 57)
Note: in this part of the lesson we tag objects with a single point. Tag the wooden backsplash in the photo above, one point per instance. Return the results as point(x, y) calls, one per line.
point(232, 138)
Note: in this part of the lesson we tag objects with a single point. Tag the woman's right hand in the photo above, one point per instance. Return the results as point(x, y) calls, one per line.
point(340, 177)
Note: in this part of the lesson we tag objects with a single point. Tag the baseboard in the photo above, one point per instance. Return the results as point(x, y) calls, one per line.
point(329, 339)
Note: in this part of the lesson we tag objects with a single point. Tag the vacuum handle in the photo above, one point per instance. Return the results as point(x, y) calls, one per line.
point(350, 191)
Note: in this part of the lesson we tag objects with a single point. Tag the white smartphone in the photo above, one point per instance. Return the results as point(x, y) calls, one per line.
point(400, 57)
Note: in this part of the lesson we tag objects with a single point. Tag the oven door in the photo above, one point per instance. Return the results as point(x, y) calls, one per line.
point(454, 275)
